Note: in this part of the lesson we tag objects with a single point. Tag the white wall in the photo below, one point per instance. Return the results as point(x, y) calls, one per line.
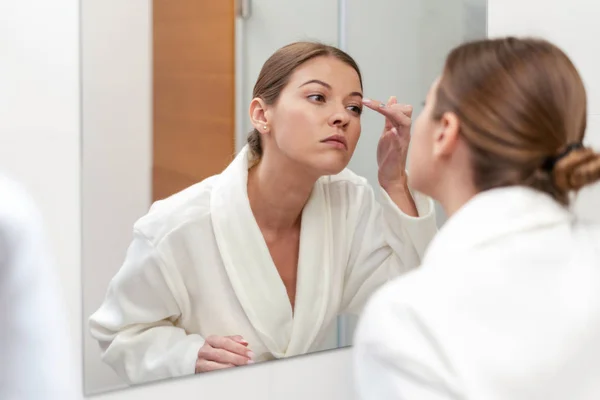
point(40, 145)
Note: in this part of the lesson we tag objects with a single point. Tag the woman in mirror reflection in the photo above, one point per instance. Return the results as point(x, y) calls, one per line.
point(506, 304)
point(257, 262)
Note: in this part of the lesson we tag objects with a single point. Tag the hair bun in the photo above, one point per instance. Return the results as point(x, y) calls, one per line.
point(578, 168)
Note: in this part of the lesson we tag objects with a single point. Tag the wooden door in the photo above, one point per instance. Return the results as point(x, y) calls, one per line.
point(193, 91)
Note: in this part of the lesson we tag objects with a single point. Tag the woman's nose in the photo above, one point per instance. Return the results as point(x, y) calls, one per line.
point(340, 118)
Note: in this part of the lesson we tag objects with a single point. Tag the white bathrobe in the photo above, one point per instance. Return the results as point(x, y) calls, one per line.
point(506, 306)
point(198, 266)
point(35, 348)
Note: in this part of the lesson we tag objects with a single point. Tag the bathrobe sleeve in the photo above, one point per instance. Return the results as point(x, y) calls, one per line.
point(135, 324)
point(397, 356)
point(384, 244)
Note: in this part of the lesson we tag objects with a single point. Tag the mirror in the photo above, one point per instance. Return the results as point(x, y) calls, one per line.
point(169, 261)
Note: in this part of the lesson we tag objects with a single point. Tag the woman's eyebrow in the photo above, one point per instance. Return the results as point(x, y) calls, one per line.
point(328, 86)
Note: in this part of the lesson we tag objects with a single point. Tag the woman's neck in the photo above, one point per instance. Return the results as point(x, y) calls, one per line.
point(278, 193)
point(454, 196)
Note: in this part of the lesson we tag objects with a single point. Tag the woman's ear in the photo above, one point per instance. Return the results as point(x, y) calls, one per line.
point(258, 115)
point(446, 136)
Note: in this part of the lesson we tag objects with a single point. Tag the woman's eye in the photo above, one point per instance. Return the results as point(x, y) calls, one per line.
point(317, 97)
point(355, 109)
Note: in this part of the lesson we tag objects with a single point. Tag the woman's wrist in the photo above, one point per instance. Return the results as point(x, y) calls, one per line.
point(399, 193)
point(397, 186)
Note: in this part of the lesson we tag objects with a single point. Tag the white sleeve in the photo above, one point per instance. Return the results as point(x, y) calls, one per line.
point(396, 355)
point(385, 244)
point(36, 359)
point(135, 325)
point(400, 227)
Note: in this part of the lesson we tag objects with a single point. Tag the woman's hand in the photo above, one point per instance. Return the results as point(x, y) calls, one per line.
point(392, 149)
point(219, 352)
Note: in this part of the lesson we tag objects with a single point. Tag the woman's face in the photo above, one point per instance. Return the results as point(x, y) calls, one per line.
point(422, 174)
point(316, 119)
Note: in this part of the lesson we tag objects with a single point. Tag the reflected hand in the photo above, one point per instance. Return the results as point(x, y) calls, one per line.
point(220, 352)
point(392, 148)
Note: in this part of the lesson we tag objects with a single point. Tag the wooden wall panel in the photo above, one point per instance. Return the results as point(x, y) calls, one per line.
point(193, 91)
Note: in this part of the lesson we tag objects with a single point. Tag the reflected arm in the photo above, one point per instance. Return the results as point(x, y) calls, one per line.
point(136, 324)
point(386, 243)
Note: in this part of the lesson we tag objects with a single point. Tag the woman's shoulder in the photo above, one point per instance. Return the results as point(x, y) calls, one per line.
point(188, 206)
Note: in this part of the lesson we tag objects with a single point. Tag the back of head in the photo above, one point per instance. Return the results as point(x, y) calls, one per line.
point(277, 70)
point(522, 108)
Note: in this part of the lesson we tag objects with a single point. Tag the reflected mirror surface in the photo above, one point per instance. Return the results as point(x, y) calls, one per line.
point(170, 259)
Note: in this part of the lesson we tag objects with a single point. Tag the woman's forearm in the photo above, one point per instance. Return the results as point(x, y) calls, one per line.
point(401, 196)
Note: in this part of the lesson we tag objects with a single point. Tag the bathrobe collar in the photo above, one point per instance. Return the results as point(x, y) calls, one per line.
point(253, 274)
point(492, 215)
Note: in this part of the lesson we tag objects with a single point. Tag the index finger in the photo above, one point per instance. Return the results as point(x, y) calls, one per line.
point(239, 339)
point(395, 112)
point(229, 344)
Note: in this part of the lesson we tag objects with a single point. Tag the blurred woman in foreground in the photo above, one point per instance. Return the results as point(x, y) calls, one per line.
point(506, 304)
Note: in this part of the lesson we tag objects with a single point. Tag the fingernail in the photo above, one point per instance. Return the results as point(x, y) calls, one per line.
point(395, 131)
point(251, 354)
point(365, 100)
point(250, 362)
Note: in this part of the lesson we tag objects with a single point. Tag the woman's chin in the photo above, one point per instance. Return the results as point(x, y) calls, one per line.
point(331, 167)
point(325, 164)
